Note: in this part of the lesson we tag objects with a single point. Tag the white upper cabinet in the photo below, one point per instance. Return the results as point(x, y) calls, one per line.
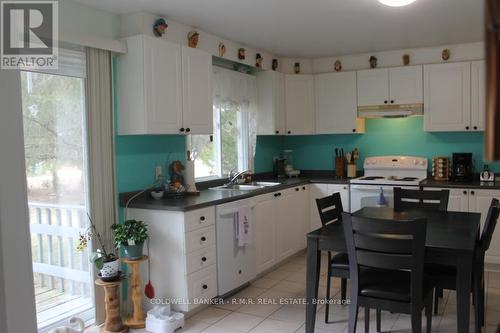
point(299, 104)
point(373, 87)
point(149, 87)
point(447, 93)
point(163, 88)
point(405, 85)
point(336, 104)
point(478, 95)
point(386, 86)
point(197, 91)
point(271, 103)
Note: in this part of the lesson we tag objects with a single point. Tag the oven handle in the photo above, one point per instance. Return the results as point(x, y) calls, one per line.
point(372, 188)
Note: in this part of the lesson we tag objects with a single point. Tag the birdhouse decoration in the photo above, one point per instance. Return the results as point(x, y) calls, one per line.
point(337, 65)
point(445, 55)
point(193, 38)
point(241, 53)
point(222, 49)
point(258, 60)
point(160, 27)
point(406, 59)
point(296, 68)
point(274, 64)
point(373, 62)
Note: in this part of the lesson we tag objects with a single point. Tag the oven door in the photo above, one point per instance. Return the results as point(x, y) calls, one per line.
point(367, 195)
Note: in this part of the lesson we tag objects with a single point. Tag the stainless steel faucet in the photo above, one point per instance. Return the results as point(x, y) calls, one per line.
point(234, 176)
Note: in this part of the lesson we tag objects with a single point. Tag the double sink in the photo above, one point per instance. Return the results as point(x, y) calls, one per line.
point(244, 187)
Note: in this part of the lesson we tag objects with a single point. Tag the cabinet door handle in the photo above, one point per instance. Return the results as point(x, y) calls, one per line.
point(475, 127)
point(204, 286)
point(467, 127)
point(203, 259)
point(202, 218)
point(392, 101)
point(303, 187)
point(182, 129)
point(203, 238)
point(289, 132)
point(465, 192)
point(188, 130)
point(296, 189)
point(472, 192)
point(385, 102)
point(354, 130)
point(277, 132)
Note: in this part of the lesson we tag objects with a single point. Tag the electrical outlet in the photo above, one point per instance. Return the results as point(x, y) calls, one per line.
point(158, 172)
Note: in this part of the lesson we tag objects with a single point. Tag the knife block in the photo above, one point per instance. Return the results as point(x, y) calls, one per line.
point(340, 167)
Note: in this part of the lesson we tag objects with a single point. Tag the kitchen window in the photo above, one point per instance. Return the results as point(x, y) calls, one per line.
point(233, 143)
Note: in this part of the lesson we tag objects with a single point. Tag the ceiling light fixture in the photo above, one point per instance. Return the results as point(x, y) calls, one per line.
point(396, 3)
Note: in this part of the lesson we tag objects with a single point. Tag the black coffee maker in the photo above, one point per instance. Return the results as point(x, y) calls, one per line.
point(463, 167)
point(279, 167)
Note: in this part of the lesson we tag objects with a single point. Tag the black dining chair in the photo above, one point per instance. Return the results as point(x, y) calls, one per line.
point(330, 211)
point(386, 261)
point(444, 277)
point(405, 199)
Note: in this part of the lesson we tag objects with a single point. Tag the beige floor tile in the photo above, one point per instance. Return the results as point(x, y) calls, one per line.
point(275, 326)
point(330, 329)
point(290, 314)
point(265, 283)
point(297, 277)
point(275, 294)
point(492, 317)
point(250, 292)
point(239, 321)
point(289, 286)
point(261, 310)
point(292, 267)
point(193, 326)
point(493, 299)
point(493, 280)
point(210, 315)
point(492, 329)
point(215, 329)
point(278, 274)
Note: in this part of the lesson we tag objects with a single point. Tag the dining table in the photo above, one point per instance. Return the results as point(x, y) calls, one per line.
point(451, 238)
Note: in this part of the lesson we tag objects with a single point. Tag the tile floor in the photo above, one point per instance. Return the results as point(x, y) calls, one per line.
point(288, 281)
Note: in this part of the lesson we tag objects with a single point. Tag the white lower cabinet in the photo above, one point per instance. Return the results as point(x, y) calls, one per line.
point(477, 201)
point(322, 190)
point(182, 254)
point(281, 222)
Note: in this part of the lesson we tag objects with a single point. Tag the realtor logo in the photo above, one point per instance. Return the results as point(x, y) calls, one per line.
point(29, 34)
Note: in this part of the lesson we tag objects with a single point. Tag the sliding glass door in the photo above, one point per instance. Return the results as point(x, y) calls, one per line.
point(56, 168)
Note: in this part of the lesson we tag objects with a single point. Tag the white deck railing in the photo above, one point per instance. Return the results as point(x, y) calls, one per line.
point(54, 234)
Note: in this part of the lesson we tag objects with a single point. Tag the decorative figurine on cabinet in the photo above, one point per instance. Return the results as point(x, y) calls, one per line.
point(193, 38)
point(241, 53)
point(296, 68)
point(445, 55)
point(274, 64)
point(176, 177)
point(373, 62)
point(406, 59)
point(258, 60)
point(222, 49)
point(337, 65)
point(160, 27)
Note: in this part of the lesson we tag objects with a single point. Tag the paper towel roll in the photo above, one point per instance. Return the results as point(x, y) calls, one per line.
point(189, 176)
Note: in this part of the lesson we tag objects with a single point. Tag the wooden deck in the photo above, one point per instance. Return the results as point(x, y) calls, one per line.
point(53, 305)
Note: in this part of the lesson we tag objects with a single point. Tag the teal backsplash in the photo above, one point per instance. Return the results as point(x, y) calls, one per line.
point(384, 136)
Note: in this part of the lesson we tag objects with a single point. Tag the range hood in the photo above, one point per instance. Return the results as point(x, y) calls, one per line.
point(391, 111)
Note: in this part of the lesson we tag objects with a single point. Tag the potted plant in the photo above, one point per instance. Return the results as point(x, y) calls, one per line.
point(106, 262)
point(130, 236)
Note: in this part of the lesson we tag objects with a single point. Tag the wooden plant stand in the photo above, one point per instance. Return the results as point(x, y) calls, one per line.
point(137, 318)
point(113, 323)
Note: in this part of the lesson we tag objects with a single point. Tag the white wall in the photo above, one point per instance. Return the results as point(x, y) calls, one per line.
point(427, 55)
point(15, 265)
point(142, 23)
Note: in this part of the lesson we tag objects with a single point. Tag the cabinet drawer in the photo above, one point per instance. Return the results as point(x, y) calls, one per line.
point(201, 259)
point(199, 218)
point(203, 284)
point(200, 238)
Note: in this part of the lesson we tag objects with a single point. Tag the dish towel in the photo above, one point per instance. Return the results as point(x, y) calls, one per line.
point(245, 226)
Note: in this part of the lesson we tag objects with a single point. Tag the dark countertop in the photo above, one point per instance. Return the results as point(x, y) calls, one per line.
point(216, 197)
point(475, 184)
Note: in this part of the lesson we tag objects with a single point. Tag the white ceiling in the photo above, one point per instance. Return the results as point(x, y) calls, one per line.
point(317, 28)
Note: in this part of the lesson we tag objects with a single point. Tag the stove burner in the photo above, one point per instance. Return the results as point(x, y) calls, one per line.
point(372, 178)
point(405, 179)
